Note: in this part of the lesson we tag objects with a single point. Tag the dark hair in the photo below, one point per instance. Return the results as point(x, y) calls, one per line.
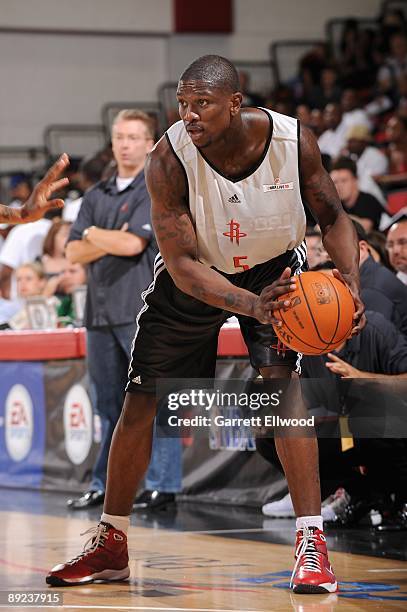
point(377, 240)
point(360, 231)
point(92, 169)
point(345, 163)
point(215, 70)
point(20, 178)
point(49, 242)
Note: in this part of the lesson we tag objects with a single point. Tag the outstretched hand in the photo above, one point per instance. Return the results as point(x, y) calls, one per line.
point(336, 365)
point(39, 201)
point(359, 317)
point(267, 302)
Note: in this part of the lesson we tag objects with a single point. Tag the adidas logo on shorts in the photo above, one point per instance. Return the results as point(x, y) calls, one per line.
point(234, 199)
point(136, 380)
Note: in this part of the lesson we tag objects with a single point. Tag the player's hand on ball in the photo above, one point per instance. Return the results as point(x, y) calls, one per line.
point(359, 317)
point(39, 201)
point(268, 300)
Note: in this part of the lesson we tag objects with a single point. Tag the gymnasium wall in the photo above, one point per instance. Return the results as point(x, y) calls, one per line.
point(59, 78)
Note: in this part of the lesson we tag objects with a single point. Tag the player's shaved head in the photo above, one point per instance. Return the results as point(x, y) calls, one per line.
point(215, 70)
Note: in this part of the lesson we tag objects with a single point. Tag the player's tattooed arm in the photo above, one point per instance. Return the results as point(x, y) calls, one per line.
point(8, 215)
point(338, 234)
point(176, 237)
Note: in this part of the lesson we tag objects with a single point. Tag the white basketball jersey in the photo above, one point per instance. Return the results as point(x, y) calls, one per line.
point(242, 223)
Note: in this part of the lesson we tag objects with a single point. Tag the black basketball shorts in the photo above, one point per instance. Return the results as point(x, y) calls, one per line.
point(177, 335)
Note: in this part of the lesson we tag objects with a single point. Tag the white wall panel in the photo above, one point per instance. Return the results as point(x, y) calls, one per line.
point(67, 79)
point(137, 15)
point(279, 19)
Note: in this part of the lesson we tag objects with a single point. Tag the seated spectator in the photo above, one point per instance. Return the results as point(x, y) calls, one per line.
point(370, 162)
point(316, 253)
point(353, 114)
point(402, 95)
point(30, 280)
point(392, 20)
point(20, 189)
point(333, 139)
point(53, 257)
point(90, 173)
point(396, 132)
point(303, 114)
point(357, 61)
point(281, 99)
point(395, 64)
point(316, 122)
point(328, 91)
point(24, 243)
point(73, 277)
point(396, 178)
point(377, 248)
point(250, 98)
point(356, 202)
point(310, 69)
point(381, 290)
point(396, 245)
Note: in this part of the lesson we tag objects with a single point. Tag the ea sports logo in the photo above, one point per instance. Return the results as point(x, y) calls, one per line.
point(19, 423)
point(77, 424)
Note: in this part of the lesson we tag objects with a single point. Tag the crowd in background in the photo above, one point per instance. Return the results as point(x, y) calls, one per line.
point(32, 256)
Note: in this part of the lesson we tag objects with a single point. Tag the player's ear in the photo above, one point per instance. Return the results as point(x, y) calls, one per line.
point(235, 103)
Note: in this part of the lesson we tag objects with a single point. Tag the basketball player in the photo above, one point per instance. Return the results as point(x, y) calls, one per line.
point(226, 185)
point(38, 203)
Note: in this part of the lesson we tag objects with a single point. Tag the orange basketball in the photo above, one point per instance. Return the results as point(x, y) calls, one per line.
point(320, 316)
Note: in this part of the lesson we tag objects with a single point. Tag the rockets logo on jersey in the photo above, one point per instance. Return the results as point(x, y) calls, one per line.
point(234, 232)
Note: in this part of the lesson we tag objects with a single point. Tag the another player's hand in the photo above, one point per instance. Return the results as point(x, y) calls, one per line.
point(267, 302)
point(39, 201)
point(344, 369)
point(359, 317)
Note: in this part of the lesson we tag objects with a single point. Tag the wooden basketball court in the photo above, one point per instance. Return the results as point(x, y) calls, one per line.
point(173, 570)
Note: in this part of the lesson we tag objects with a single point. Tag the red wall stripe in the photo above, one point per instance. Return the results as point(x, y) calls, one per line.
point(211, 16)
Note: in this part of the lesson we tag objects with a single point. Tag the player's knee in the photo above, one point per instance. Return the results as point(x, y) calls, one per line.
point(138, 411)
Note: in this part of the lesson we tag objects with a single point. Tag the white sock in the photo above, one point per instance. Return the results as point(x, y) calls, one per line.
point(309, 521)
point(118, 522)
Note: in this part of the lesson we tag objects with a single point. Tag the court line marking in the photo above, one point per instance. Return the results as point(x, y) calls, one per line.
point(388, 569)
point(212, 531)
point(142, 608)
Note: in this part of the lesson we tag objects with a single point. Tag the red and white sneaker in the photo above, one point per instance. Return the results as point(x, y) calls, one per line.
point(312, 571)
point(104, 557)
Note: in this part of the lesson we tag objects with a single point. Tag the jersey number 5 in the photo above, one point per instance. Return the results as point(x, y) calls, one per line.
point(237, 260)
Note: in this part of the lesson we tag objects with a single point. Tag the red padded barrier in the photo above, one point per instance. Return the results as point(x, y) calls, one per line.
point(42, 345)
point(71, 343)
